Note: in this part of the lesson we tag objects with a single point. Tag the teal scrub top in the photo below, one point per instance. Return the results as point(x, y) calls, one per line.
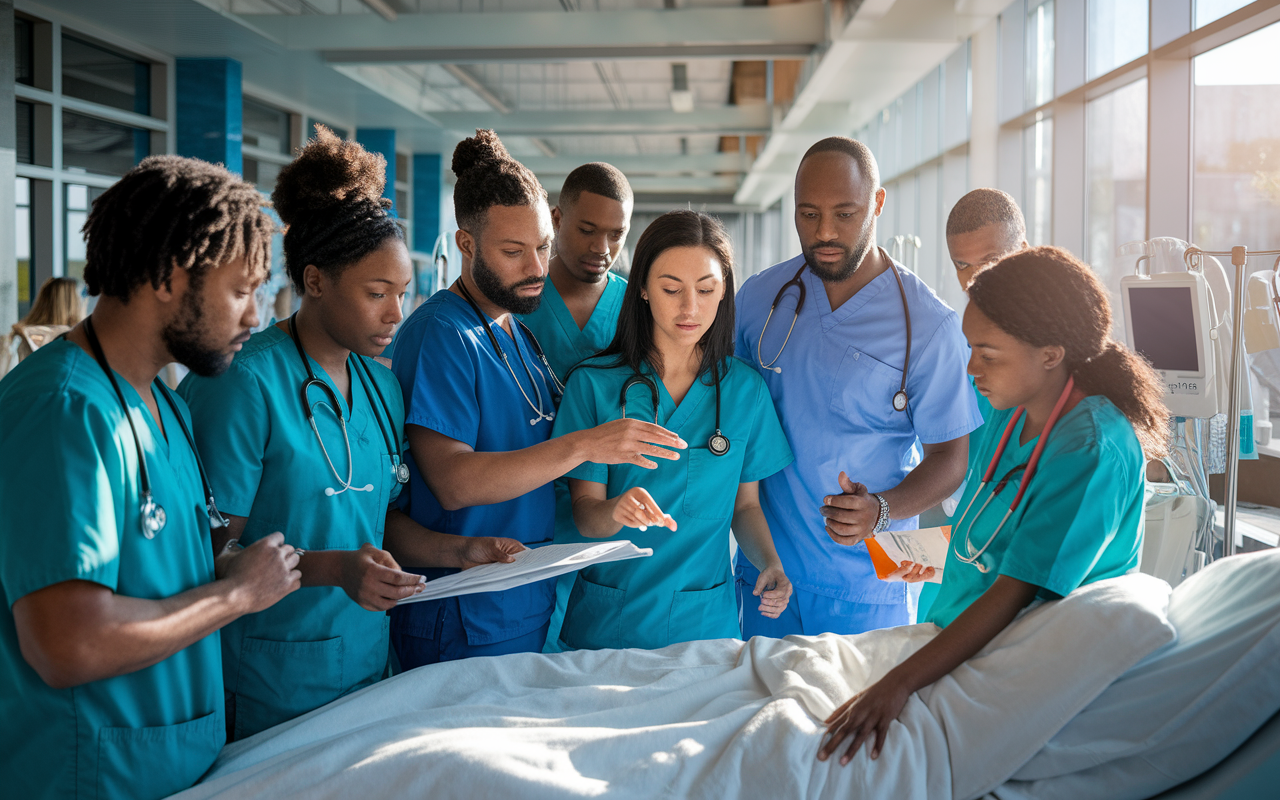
point(265, 464)
point(565, 345)
point(683, 591)
point(70, 493)
point(1079, 522)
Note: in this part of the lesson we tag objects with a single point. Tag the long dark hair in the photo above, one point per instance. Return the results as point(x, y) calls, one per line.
point(633, 344)
point(1046, 297)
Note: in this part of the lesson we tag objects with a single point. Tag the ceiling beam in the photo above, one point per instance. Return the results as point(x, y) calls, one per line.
point(786, 31)
point(637, 165)
point(670, 184)
point(722, 120)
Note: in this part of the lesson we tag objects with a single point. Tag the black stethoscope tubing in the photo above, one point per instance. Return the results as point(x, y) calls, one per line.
point(152, 514)
point(899, 397)
point(398, 467)
point(717, 443)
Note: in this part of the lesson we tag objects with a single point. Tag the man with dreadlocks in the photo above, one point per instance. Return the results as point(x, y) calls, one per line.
point(110, 673)
point(479, 404)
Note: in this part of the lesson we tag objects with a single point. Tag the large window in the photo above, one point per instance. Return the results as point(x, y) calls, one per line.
point(1039, 53)
point(24, 121)
point(22, 238)
point(266, 143)
point(1209, 10)
point(1117, 34)
point(1037, 193)
point(1236, 195)
point(1116, 176)
point(23, 57)
point(99, 75)
point(79, 200)
point(96, 145)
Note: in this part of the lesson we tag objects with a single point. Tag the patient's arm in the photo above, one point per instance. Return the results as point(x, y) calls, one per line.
point(869, 713)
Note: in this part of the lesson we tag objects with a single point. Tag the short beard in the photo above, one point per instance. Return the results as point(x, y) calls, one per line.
point(186, 337)
point(503, 296)
point(843, 270)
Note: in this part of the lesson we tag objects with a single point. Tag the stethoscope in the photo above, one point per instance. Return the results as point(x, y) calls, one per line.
point(1029, 470)
point(558, 387)
point(151, 514)
point(718, 443)
point(900, 398)
point(398, 468)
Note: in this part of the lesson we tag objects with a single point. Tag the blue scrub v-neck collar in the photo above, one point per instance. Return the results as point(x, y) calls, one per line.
point(133, 400)
point(680, 413)
point(322, 374)
point(833, 317)
point(560, 311)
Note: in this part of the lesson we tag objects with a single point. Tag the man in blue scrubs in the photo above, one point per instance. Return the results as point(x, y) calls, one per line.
point(837, 378)
point(580, 302)
point(110, 672)
point(479, 403)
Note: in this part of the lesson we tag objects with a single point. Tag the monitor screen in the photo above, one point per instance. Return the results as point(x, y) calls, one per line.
point(1164, 328)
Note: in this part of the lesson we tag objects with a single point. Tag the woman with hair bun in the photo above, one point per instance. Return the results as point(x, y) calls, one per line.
point(1054, 497)
point(303, 435)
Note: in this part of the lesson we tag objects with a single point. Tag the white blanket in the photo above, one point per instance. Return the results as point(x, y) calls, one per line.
point(711, 719)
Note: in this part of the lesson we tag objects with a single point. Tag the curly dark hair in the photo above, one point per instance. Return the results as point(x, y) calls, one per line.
point(172, 212)
point(1045, 296)
point(488, 176)
point(330, 199)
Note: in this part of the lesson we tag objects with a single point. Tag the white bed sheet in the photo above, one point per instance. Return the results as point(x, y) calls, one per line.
point(711, 719)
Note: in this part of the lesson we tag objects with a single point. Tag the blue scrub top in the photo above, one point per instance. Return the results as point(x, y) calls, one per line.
point(1079, 522)
point(454, 383)
point(683, 591)
point(264, 463)
point(70, 494)
point(565, 345)
point(834, 396)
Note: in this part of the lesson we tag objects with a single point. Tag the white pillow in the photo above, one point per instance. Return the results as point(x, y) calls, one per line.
point(1184, 708)
point(1001, 706)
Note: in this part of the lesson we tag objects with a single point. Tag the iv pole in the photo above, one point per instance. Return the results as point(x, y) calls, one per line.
point(1239, 259)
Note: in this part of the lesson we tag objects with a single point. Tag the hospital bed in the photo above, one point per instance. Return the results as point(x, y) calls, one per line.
point(1124, 689)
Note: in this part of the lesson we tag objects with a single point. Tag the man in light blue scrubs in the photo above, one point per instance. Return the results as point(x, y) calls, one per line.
point(580, 302)
point(480, 401)
point(837, 378)
point(110, 676)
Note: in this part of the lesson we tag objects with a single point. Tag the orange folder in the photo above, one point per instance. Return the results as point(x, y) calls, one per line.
point(884, 565)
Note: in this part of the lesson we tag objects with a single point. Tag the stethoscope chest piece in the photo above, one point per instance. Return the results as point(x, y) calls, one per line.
point(402, 473)
point(718, 444)
point(900, 401)
point(153, 517)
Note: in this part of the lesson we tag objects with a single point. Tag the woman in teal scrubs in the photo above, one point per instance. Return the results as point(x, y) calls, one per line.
point(328, 488)
point(1054, 499)
point(671, 361)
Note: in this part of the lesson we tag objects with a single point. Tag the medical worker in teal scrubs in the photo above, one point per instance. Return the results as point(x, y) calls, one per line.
point(110, 676)
point(866, 368)
point(1055, 499)
point(671, 362)
point(580, 303)
point(480, 400)
point(328, 489)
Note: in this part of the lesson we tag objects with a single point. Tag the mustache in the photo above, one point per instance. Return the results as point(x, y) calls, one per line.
point(529, 282)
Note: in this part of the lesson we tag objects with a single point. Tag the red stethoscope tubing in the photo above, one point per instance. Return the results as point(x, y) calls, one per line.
point(1027, 473)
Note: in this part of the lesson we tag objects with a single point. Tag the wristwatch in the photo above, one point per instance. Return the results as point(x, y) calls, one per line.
point(882, 522)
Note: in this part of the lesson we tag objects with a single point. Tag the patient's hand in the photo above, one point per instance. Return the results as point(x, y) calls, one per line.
point(866, 715)
point(911, 572)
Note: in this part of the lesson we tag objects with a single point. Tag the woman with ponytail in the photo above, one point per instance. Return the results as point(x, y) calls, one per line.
point(1054, 497)
point(303, 435)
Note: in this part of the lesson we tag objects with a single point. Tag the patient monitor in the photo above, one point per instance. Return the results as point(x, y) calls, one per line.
point(1168, 320)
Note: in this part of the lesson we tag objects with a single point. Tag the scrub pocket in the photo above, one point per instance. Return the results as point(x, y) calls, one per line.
point(145, 763)
point(707, 494)
point(282, 680)
point(593, 616)
point(863, 392)
point(704, 614)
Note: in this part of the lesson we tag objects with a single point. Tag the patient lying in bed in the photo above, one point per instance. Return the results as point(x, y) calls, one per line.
point(724, 718)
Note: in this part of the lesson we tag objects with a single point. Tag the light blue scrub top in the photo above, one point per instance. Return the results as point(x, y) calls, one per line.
point(70, 494)
point(566, 345)
point(683, 591)
point(1079, 522)
point(265, 464)
point(834, 396)
point(454, 383)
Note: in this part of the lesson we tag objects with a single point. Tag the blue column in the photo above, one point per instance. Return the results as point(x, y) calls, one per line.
point(382, 140)
point(210, 110)
point(428, 193)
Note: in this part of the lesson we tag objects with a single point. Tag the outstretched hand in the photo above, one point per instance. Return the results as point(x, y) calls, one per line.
point(865, 717)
